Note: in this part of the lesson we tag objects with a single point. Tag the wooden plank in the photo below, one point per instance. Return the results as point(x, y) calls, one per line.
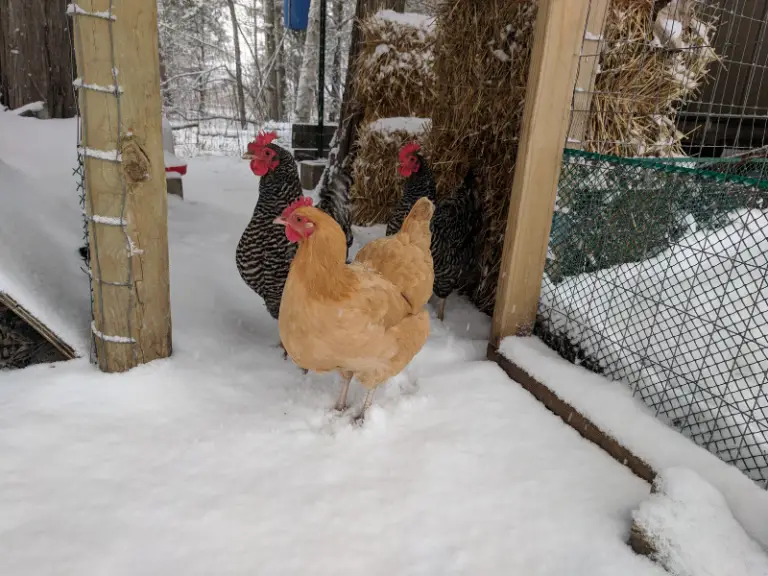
point(139, 313)
point(583, 425)
point(589, 64)
point(554, 60)
point(65, 349)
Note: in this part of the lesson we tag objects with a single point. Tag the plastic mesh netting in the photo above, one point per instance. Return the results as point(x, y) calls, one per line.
point(657, 276)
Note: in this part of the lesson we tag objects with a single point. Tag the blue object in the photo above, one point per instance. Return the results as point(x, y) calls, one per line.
point(296, 14)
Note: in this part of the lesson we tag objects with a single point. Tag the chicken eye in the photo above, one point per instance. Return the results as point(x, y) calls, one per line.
point(299, 219)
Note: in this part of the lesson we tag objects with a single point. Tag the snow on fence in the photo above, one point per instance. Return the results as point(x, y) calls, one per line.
point(657, 264)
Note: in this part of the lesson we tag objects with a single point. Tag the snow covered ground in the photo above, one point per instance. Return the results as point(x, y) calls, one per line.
point(225, 459)
point(615, 411)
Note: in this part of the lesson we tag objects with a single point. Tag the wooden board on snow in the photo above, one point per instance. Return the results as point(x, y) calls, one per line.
point(65, 349)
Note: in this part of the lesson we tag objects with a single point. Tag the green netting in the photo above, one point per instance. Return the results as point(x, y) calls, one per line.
point(613, 210)
point(657, 275)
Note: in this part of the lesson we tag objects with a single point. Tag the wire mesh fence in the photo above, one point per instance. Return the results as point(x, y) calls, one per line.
point(657, 269)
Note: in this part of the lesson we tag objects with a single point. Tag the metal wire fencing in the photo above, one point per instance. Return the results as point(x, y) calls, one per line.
point(657, 271)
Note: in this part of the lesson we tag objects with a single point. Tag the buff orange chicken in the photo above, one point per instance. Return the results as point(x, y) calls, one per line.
point(366, 319)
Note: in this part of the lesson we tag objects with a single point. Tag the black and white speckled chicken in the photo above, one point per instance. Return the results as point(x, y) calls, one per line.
point(419, 182)
point(455, 229)
point(264, 254)
point(455, 225)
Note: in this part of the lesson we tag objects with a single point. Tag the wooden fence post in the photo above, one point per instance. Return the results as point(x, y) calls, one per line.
point(558, 36)
point(116, 48)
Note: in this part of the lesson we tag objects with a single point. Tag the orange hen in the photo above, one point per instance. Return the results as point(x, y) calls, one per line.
point(365, 319)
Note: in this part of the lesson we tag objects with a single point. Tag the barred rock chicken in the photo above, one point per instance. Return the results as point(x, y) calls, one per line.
point(455, 225)
point(264, 254)
point(419, 183)
point(365, 319)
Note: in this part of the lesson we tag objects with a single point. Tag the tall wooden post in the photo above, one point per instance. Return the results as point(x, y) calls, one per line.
point(116, 48)
point(558, 36)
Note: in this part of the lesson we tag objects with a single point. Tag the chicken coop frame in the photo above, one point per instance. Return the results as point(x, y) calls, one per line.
point(123, 184)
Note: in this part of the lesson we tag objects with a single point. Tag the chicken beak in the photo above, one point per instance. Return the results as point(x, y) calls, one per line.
point(280, 220)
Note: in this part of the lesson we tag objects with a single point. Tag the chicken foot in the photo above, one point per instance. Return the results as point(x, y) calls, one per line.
point(341, 403)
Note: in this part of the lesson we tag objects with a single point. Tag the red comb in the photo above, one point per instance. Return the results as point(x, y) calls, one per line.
point(303, 201)
point(409, 149)
point(262, 139)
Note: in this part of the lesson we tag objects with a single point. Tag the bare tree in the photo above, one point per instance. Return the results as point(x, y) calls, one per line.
point(240, 92)
point(307, 85)
point(282, 84)
point(335, 92)
point(35, 55)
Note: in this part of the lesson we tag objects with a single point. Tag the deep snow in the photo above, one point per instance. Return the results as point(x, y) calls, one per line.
point(225, 459)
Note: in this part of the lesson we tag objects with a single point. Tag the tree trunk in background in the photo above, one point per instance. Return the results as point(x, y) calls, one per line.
point(296, 52)
point(337, 178)
point(306, 95)
point(239, 91)
point(282, 86)
point(35, 56)
point(335, 108)
point(270, 44)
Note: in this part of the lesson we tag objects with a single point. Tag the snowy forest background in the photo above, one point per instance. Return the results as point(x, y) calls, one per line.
point(227, 67)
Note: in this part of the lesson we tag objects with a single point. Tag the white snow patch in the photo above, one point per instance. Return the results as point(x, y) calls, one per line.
point(31, 107)
point(75, 9)
point(109, 338)
point(501, 55)
point(108, 155)
point(410, 19)
point(411, 125)
point(693, 531)
point(107, 220)
point(78, 83)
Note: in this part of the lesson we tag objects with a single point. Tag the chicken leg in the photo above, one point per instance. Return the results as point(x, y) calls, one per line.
point(441, 309)
point(366, 404)
point(285, 357)
point(341, 403)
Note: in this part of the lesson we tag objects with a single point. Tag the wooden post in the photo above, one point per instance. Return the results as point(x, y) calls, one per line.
point(557, 43)
point(116, 48)
point(589, 65)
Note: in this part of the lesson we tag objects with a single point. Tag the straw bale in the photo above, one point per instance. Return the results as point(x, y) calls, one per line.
point(649, 65)
point(377, 187)
point(482, 54)
point(394, 69)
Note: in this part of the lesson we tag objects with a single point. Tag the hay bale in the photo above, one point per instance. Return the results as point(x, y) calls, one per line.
point(651, 62)
point(394, 69)
point(377, 187)
point(482, 55)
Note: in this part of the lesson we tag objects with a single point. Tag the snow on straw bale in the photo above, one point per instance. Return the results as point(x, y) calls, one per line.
point(377, 185)
point(394, 70)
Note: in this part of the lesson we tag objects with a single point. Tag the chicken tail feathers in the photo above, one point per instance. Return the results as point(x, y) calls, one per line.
point(421, 213)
